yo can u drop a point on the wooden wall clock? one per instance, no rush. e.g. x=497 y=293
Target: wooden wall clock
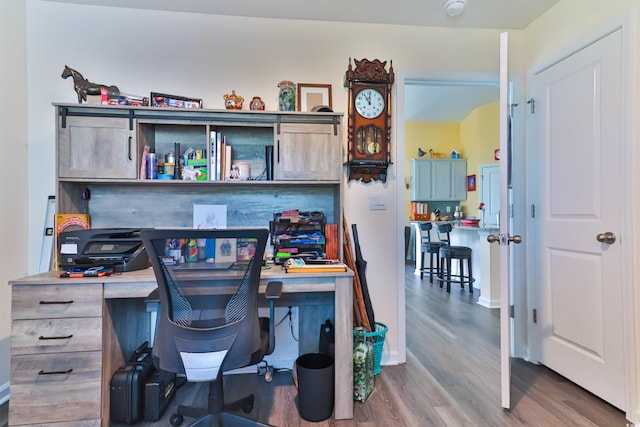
x=369 y=119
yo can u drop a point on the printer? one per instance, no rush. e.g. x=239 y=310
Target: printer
x=117 y=248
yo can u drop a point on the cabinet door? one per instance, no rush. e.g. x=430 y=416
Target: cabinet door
x=421 y=182
x=97 y=148
x=441 y=175
x=306 y=152
x=458 y=179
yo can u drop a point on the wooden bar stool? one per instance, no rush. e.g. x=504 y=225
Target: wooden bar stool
x=447 y=253
x=431 y=248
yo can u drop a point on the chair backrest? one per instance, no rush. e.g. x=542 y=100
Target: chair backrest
x=444 y=233
x=208 y=284
x=425 y=231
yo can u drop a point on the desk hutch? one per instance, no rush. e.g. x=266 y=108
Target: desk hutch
x=70 y=335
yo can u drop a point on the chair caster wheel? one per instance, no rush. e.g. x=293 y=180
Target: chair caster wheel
x=176 y=420
x=247 y=408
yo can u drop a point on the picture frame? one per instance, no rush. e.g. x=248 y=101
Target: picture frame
x=471 y=183
x=311 y=95
x=164 y=100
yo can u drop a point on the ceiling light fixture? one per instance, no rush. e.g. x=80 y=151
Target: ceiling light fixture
x=454 y=7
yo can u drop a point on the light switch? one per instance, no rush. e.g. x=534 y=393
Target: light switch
x=377 y=202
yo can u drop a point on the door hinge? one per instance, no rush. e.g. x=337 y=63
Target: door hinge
x=512 y=311
x=535 y=315
x=533 y=211
x=532 y=105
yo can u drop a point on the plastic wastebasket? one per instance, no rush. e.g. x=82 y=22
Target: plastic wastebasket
x=313 y=374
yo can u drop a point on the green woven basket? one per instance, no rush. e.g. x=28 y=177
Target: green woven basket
x=376 y=337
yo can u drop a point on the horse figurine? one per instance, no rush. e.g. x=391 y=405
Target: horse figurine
x=83 y=87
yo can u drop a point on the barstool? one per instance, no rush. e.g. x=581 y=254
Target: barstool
x=428 y=247
x=447 y=253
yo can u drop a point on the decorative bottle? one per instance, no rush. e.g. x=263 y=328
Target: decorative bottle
x=363 y=376
x=287 y=97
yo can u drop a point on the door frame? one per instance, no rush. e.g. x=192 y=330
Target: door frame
x=404 y=77
x=631 y=140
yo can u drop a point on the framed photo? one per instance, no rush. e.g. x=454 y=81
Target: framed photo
x=174 y=101
x=471 y=183
x=311 y=95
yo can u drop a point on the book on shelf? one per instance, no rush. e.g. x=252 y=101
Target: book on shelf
x=299 y=265
x=69 y=222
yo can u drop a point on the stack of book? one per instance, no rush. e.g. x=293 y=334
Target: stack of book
x=298 y=265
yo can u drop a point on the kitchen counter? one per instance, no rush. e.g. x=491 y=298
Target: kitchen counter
x=485 y=259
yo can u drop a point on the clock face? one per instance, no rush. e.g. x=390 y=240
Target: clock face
x=369 y=103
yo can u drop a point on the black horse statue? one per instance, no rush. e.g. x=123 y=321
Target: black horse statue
x=83 y=87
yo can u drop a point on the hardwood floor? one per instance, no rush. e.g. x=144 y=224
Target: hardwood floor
x=451 y=378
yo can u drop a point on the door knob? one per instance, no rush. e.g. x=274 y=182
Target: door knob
x=515 y=239
x=609 y=238
x=492 y=238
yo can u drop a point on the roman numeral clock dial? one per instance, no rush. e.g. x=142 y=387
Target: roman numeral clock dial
x=369 y=151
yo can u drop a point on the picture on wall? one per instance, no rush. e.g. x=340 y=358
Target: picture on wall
x=471 y=183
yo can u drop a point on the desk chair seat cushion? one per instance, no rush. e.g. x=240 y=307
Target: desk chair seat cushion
x=455 y=251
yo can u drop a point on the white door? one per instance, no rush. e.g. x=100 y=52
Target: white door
x=504 y=239
x=490 y=193
x=578 y=201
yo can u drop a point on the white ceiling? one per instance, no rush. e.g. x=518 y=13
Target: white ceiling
x=423 y=102
x=498 y=14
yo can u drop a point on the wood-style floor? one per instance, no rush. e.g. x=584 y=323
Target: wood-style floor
x=451 y=378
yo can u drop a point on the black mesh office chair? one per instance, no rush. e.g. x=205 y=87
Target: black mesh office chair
x=208 y=321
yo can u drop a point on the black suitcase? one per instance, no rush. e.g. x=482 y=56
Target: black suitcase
x=158 y=393
x=127 y=387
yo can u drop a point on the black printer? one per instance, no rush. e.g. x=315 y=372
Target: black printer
x=117 y=248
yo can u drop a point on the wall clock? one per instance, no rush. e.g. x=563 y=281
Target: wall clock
x=369 y=119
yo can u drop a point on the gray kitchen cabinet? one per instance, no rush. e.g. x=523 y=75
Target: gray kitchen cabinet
x=438 y=180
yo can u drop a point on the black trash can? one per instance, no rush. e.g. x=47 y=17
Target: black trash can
x=313 y=374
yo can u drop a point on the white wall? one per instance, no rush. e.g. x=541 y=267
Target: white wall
x=207 y=56
x=14 y=172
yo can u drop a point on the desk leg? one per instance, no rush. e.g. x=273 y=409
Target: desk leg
x=344 y=348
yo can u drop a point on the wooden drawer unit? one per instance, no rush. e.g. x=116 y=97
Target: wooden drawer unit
x=56 y=335
x=56 y=301
x=56 y=354
x=54 y=388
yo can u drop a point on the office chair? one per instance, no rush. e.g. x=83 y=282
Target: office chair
x=448 y=252
x=208 y=321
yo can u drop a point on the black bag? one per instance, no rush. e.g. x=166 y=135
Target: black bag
x=127 y=387
x=158 y=393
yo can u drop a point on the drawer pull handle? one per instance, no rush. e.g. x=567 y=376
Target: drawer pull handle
x=56 y=302
x=68 y=371
x=55 y=338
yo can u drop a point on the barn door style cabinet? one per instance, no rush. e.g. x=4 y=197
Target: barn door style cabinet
x=100 y=149
x=438 y=180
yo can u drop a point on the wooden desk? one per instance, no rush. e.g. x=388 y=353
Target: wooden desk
x=96 y=322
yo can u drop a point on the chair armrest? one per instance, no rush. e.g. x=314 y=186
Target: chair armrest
x=274 y=290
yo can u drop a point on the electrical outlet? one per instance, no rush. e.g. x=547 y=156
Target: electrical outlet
x=448 y=209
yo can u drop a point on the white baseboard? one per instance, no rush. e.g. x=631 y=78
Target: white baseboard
x=489 y=303
x=4 y=393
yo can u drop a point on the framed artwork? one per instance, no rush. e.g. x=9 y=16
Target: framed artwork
x=311 y=95
x=471 y=183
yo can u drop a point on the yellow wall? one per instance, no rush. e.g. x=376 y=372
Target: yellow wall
x=439 y=137
x=475 y=137
x=479 y=137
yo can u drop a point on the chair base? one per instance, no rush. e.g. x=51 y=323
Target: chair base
x=218 y=415
x=228 y=419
